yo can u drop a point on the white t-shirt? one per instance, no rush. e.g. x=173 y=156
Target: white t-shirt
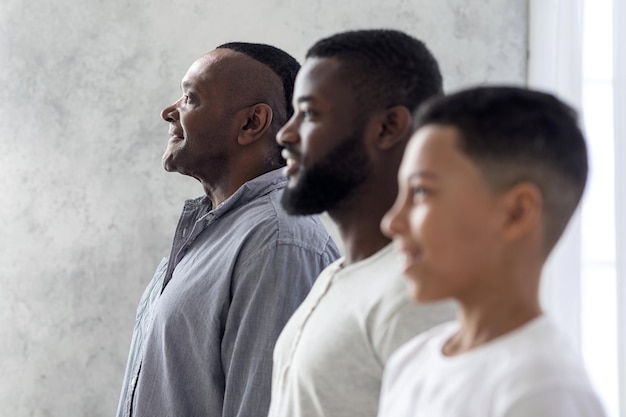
x=329 y=358
x=529 y=372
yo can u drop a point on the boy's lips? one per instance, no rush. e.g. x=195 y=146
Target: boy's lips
x=409 y=256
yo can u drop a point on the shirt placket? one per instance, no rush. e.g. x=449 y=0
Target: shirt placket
x=306 y=318
x=189 y=227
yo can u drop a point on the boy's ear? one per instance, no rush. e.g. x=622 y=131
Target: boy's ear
x=395 y=126
x=522 y=209
x=258 y=119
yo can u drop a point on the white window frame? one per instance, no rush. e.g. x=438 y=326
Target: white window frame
x=555 y=65
x=619 y=97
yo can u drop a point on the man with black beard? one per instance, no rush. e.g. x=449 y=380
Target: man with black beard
x=353 y=101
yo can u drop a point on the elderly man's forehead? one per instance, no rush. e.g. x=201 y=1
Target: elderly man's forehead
x=216 y=66
x=238 y=77
x=214 y=61
x=228 y=65
x=222 y=55
x=230 y=61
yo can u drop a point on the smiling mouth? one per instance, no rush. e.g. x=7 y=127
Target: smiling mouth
x=175 y=138
x=293 y=164
x=175 y=132
x=409 y=256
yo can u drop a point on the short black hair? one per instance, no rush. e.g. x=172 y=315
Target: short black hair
x=279 y=61
x=286 y=68
x=386 y=67
x=515 y=135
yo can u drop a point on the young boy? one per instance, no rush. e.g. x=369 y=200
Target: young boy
x=488 y=183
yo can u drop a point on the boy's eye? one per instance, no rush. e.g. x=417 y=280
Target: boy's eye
x=418 y=192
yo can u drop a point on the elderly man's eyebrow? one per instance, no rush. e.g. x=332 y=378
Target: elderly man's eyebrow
x=185 y=85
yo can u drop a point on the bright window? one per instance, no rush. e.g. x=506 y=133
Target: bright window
x=578 y=52
x=599 y=313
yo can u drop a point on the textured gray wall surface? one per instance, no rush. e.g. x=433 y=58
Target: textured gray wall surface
x=87 y=211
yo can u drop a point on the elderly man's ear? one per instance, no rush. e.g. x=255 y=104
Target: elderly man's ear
x=258 y=119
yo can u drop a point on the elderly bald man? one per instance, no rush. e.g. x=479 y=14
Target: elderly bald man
x=239 y=265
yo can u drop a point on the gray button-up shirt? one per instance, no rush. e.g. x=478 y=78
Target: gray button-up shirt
x=208 y=321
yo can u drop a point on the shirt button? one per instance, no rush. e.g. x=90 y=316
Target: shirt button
x=133 y=382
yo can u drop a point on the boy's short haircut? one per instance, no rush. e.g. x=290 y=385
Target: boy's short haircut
x=385 y=67
x=516 y=135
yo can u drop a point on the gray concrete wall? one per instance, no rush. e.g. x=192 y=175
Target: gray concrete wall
x=87 y=210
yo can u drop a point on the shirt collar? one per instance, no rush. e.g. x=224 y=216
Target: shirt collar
x=256 y=187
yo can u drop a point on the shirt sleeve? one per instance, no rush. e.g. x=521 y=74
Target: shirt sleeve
x=558 y=402
x=267 y=288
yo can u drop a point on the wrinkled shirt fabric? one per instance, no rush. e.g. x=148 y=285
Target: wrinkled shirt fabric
x=207 y=322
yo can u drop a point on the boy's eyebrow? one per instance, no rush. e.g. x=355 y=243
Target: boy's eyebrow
x=422 y=174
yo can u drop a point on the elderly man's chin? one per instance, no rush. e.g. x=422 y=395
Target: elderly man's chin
x=168 y=161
